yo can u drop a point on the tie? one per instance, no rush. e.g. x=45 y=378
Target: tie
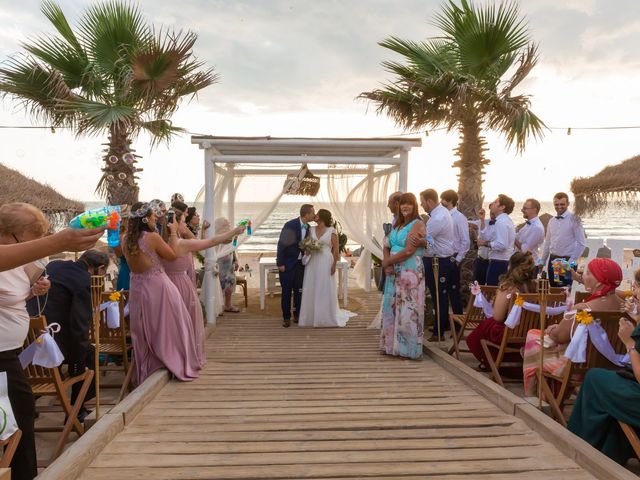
x=528 y=222
x=492 y=222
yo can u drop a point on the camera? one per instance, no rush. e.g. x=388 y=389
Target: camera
x=171 y=215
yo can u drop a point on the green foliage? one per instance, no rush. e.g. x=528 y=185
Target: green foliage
x=342 y=237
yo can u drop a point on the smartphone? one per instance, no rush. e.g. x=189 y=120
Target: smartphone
x=171 y=215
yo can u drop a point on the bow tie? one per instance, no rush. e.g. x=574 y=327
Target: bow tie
x=559 y=217
x=528 y=222
x=492 y=222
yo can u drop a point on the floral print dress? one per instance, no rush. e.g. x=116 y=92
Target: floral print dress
x=403 y=301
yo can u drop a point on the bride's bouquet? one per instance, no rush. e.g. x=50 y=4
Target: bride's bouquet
x=310 y=245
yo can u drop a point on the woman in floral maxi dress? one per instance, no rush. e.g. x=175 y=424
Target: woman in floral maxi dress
x=403 y=301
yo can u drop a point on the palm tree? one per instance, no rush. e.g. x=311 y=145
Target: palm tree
x=465 y=80
x=114 y=75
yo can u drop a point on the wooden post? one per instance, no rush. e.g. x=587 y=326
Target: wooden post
x=543 y=292
x=436 y=276
x=97 y=287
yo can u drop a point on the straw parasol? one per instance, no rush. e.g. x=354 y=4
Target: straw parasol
x=616 y=184
x=15 y=187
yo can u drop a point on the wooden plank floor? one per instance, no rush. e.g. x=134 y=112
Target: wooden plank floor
x=275 y=403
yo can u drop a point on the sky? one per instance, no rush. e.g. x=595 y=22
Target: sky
x=294 y=68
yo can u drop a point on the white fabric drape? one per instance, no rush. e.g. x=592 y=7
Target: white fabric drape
x=359 y=203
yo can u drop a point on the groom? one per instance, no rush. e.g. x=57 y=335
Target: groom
x=289 y=261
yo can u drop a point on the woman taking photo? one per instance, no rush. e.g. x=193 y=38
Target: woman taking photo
x=403 y=302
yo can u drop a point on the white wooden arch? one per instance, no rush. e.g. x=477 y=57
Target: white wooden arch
x=267 y=156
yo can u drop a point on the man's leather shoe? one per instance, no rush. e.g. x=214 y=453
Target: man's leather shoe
x=295 y=320
x=286 y=323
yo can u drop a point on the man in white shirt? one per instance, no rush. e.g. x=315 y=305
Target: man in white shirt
x=485 y=232
x=501 y=246
x=565 y=238
x=439 y=244
x=531 y=236
x=461 y=243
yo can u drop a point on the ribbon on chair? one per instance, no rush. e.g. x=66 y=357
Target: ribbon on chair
x=577 y=348
x=513 y=319
x=44 y=351
x=480 y=301
x=112 y=313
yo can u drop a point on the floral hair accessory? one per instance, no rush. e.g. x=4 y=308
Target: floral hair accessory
x=144 y=210
x=158 y=207
x=584 y=317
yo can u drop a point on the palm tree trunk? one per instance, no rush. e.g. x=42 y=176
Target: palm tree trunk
x=471 y=164
x=118 y=182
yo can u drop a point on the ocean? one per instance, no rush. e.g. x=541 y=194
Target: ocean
x=615 y=223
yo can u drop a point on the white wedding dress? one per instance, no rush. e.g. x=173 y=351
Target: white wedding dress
x=319 y=288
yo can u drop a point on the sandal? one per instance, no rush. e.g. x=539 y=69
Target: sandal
x=232 y=310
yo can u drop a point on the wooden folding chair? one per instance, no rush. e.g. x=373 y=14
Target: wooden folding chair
x=9 y=445
x=113 y=342
x=242 y=283
x=580 y=296
x=632 y=436
x=48 y=382
x=514 y=339
x=573 y=374
x=461 y=323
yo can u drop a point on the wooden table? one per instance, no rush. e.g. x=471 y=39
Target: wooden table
x=342 y=269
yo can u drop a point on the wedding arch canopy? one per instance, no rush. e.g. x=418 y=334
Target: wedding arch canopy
x=356 y=177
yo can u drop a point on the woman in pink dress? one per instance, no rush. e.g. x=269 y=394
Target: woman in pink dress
x=161 y=327
x=180 y=272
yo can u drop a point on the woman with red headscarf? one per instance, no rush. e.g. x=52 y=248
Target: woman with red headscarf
x=601 y=278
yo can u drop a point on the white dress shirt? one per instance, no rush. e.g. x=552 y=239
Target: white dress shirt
x=440 y=231
x=565 y=237
x=484 y=234
x=461 y=240
x=531 y=237
x=502 y=245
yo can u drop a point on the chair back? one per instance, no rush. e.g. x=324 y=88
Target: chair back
x=580 y=296
x=531 y=320
x=36 y=374
x=116 y=336
x=610 y=322
x=475 y=314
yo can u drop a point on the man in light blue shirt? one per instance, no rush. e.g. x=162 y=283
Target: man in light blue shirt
x=501 y=246
x=461 y=244
x=439 y=244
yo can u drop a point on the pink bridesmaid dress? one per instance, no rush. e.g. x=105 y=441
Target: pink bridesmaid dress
x=161 y=327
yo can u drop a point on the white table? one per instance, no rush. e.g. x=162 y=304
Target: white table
x=342 y=269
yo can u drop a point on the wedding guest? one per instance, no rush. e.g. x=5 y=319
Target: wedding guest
x=161 y=328
x=501 y=245
x=403 y=301
x=519 y=278
x=392 y=205
x=601 y=278
x=68 y=304
x=181 y=208
x=289 y=261
x=565 y=238
x=461 y=245
x=439 y=243
x=67 y=240
x=607 y=397
x=227 y=266
x=20 y=222
x=531 y=236
x=180 y=271
x=485 y=232
x=193 y=222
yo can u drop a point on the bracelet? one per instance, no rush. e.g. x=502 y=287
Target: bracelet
x=631 y=349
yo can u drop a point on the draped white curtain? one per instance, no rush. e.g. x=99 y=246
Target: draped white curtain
x=359 y=203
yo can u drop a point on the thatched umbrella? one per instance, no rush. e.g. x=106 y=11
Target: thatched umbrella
x=617 y=184
x=15 y=187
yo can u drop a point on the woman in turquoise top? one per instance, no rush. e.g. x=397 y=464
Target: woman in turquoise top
x=607 y=396
x=403 y=301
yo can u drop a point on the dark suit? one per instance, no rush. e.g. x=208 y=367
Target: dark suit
x=288 y=256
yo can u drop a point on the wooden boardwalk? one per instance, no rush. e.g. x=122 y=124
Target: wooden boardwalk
x=275 y=403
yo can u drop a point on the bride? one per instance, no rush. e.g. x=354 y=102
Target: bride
x=319 y=290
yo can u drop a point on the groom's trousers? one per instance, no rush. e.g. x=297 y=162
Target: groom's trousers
x=291 y=283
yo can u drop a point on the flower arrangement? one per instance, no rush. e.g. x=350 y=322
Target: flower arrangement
x=310 y=245
x=519 y=301
x=584 y=317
